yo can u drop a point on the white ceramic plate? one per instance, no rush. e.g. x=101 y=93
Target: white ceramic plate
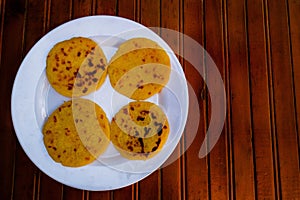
x=33 y=100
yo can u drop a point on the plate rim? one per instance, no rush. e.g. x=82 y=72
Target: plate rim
x=14 y=101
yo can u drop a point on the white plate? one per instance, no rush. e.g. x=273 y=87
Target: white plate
x=33 y=99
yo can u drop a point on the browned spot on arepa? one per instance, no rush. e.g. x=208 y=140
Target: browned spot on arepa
x=139 y=130
x=76 y=133
x=76 y=67
x=139 y=69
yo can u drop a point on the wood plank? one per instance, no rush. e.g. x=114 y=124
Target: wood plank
x=294 y=14
x=151 y=183
x=260 y=101
x=127 y=9
x=170 y=19
x=230 y=163
x=171 y=174
x=124 y=193
x=12 y=42
x=287 y=147
x=35 y=22
x=272 y=107
x=2 y=11
x=25 y=176
x=99 y=195
x=104 y=7
x=49 y=188
x=59 y=12
x=149 y=15
x=70 y=193
x=82 y=8
x=241 y=127
x=196 y=169
x=26 y=173
x=214 y=45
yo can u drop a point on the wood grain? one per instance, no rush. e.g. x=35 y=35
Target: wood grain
x=230 y=180
x=124 y=193
x=82 y=8
x=294 y=7
x=214 y=45
x=104 y=7
x=196 y=169
x=256 y=47
x=13 y=32
x=265 y=180
x=99 y=195
x=286 y=133
x=49 y=188
x=171 y=174
x=73 y=193
x=2 y=11
x=26 y=173
x=150 y=13
x=130 y=12
x=241 y=124
x=59 y=13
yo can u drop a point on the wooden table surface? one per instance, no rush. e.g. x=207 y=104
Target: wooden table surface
x=256 y=46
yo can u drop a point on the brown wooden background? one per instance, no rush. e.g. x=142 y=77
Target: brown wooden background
x=256 y=46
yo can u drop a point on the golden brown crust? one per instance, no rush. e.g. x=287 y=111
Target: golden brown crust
x=139 y=130
x=139 y=69
x=76 y=67
x=76 y=133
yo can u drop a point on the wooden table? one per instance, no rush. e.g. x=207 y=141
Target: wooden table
x=256 y=46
